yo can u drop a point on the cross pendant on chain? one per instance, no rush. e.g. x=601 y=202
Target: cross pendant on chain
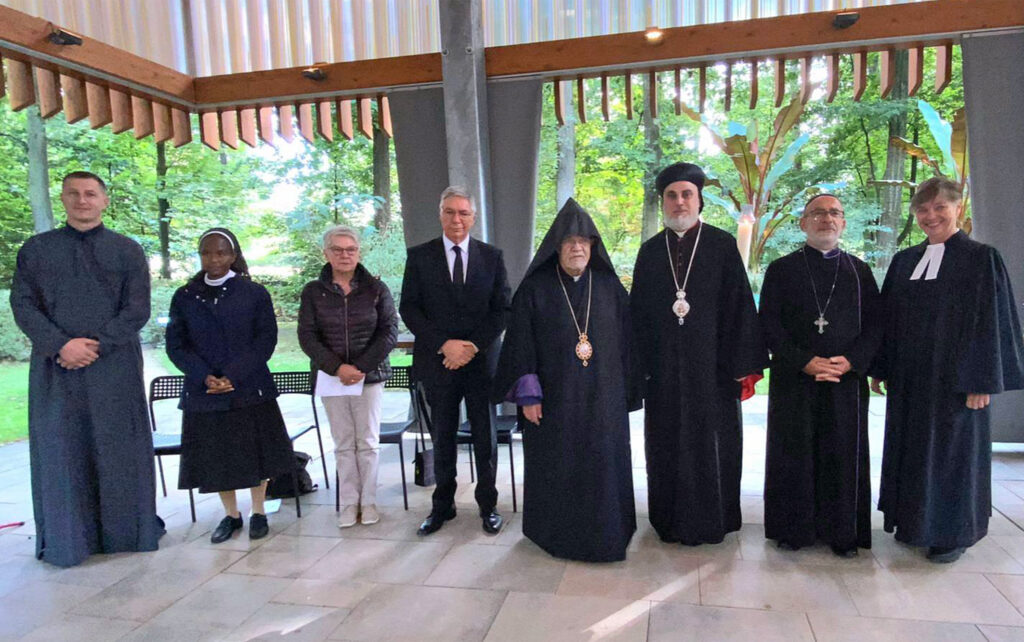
x=821 y=323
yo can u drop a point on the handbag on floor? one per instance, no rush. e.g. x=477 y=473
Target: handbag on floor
x=423 y=460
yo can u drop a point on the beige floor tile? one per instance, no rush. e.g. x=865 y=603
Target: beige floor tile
x=421 y=614
x=285 y=556
x=847 y=628
x=318 y=521
x=37 y=603
x=522 y=567
x=174 y=632
x=1002 y=633
x=104 y=570
x=688 y=623
x=645 y=575
x=224 y=602
x=752 y=509
x=289 y=622
x=336 y=594
x=755 y=547
x=778 y=587
x=378 y=561
x=81 y=627
x=939 y=594
x=1012 y=544
x=529 y=617
x=999 y=524
x=986 y=556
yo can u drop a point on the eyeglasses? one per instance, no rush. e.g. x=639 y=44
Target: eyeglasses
x=338 y=251
x=821 y=213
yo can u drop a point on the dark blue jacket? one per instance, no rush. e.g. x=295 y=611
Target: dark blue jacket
x=227 y=331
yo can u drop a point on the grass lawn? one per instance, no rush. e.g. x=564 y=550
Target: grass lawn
x=13 y=401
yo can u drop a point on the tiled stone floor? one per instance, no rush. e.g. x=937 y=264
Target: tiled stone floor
x=311 y=581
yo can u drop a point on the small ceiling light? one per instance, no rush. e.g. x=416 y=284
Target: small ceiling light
x=845 y=20
x=59 y=36
x=654 y=35
x=314 y=73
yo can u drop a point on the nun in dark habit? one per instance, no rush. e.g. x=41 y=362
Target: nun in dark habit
x=564 y=363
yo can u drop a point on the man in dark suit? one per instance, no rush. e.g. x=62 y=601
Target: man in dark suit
x=455 y=296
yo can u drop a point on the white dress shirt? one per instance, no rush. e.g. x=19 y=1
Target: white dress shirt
x=450 y=256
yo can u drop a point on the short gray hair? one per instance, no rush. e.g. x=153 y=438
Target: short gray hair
x=457 y=191
x=340 y=230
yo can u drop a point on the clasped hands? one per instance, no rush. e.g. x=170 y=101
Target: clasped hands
x=457 y=353
x=78 y=353
x=349 y=374
x=218 y=385
x=828 y=369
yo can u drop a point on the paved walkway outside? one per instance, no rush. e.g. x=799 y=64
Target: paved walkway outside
x=311 y=581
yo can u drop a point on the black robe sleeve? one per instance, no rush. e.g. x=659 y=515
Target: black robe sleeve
x=863 y=350
x=29 y=309
x=385 y=335
x=785 y=353
x=640 y=340
x=493 y=324
x=742 y=343
x=880 y=365
x=133 y=310
x=264 y=340
x=518 y=352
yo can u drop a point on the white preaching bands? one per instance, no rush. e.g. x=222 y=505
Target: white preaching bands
x=931 y=260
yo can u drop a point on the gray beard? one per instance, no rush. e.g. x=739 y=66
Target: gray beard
x=680 y=225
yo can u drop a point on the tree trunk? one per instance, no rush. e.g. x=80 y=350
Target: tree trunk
x=565 y=177
x=38 y=172
x=163 y=208
x=895 y=168
x=381 y=179
x=651 y=221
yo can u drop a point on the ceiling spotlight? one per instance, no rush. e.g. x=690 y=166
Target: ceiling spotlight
x=845 y=20
x=62 y=37
x=654 y=35
x=314 y=73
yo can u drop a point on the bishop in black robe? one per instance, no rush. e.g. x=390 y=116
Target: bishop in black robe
x=689 y=372
x=578 y=492
x=90 y=444
x=817 y=470
x=952 y=333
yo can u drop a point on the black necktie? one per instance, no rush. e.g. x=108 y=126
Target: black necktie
x=458 y=274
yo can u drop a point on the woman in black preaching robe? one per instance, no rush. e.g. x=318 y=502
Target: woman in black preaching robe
x=578 y=496
x=952 y=339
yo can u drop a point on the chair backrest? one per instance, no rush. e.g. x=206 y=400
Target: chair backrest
x=400 y=378
x=164 y=387
x=298 y=382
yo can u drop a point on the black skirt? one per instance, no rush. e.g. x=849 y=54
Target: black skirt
x=234 y=449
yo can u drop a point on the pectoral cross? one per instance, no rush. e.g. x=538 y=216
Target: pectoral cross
x=821 y=323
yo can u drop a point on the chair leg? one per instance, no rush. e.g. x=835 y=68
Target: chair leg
x=323 y=460
x=295 y=489
x=160 y=465
x=192 y=505
x=337 y=494
x=401 y=466
x=472 y=468
x=512 y=469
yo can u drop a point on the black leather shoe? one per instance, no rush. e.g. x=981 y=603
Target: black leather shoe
x=787 y=546
x=940 y=555
x=847 y=553
x=226 y=529
x=492 y=522
x=435 y=520
x=258 y=527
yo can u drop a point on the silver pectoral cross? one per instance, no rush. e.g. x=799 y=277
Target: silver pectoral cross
x=821 y=323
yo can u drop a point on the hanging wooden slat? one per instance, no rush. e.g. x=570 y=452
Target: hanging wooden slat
x=943 y=67
x=780 y=81
x=860 y=74
x=324 y=123
x=247 y=126
x=343 y=112
x=605 y=110
x=581 y=104
x=886 y=73
x=229 y=128
x=305 y=116
x=208 y=129
x=832 y=64
x=384 y=115
x=728 y=87
x=19 y=82
x=120 y=111
x=753 y=83
x=265 y=124
x=652 y=91
x=98 y=100
x=915 y=69
x=163 y=128
x=703 y=90
x=48 y=90
x=182 y=123
x=142 y=117
x=805 y=79
x=284 y=122
x=365 y=118
x=3 y=83
x=629 y=96
x=73 y=91
x=678 y=102
x=559 y=104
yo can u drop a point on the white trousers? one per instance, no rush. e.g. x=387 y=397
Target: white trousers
x=355 y=429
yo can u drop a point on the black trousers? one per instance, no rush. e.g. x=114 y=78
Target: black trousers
x=444 y=397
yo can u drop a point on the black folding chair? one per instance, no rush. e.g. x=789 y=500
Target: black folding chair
x=302 y=383
x=391 y=432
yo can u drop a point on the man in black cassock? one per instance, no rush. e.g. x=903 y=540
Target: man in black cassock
x=952 y=339
x=81 y=294
x=820 y=310
x=697 y=337
x=565 y=364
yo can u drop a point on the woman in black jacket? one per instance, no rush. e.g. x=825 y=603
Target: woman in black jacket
x=221 y=334
x=348 y=326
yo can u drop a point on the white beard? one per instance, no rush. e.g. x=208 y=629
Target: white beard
x=680 y=225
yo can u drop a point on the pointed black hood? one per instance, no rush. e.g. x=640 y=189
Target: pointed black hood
x=572 y=220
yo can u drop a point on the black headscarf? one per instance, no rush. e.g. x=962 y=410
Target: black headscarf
x=239 y=266
x=572 y=220
x=681 y=172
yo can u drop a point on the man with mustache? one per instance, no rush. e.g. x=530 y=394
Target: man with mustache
x=820 y=310
x=697 y=336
